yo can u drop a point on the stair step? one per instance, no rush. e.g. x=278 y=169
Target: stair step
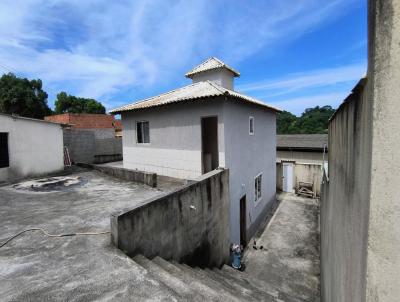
x=216 y=286
x=168 y=279
x=207 y=292
x=252 y=293
x=248 y=280
x=148 y=285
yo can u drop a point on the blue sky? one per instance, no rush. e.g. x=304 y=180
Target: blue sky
x=293 y=54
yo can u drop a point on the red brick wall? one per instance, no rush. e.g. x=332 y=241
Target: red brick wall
x=87 y=121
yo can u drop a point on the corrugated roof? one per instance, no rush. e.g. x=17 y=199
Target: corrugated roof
x=194 y=92
x=301 y=141
x=209 y=64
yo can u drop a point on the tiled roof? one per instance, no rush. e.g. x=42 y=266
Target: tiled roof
x=194 y=92
x=301 y=141
x=209 y=64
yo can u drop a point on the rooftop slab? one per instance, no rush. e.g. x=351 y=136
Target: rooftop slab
x=34 y=267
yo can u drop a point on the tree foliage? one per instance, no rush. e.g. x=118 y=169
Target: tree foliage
x=72 y=104
x=312 y=120
x=23 y=97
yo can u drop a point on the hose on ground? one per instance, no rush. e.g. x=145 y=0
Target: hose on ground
x=51 y=235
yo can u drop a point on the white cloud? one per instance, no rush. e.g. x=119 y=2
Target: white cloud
x=98 y=47
x=309 y=79
x=299 y=104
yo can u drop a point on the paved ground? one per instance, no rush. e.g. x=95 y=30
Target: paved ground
x=38 y=268
x=290 y=257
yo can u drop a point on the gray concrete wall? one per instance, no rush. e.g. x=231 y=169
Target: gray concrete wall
x=190 y=224
x=93 y=145
x=35 y=147
x=345 y=202
x=246 y=157
x=360 y=213
x=146 y=178
x=383 y=257
x=175 y=138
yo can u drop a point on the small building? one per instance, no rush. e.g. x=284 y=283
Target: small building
x=192 y=130
x=299 y=159
x=29 y=147
x=91 y=138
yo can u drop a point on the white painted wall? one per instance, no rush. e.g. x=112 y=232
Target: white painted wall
x=246 y=157
x=221 y=77
x=175 y=149
x=301 y=157
x=175 y=138
x=35 y=147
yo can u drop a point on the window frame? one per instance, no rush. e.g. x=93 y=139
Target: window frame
x=251 y=123
x=258 y=191
x=142 y=132
x=7 y=160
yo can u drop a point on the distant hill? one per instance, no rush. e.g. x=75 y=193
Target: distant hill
x=312 y=121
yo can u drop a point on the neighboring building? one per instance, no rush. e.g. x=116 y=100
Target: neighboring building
x=88 y=121
x=91 y=138
x=29 y=147
x=360 y=204
x=192 y=130
x=299 y=158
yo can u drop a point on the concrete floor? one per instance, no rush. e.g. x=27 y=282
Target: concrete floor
x=34 y=267
x=289 y=259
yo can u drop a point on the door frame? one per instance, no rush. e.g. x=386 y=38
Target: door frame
x=201 y=139
x=243 y=220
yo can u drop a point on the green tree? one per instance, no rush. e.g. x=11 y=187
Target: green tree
x=23 y=97
x=315 y=120
x=312 y=121
x=286 y=123
x=72 y=104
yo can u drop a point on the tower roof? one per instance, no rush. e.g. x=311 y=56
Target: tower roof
x=211 y=64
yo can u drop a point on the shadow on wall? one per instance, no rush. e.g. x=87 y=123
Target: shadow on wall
x=189 y=225
x=93 y=145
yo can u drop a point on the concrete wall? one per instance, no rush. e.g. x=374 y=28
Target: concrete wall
x=175 y=139
x=311 y=173
x=93 y=145
x=35 y=147
x=360 y=213
x=301 y=156
x=221 y=77
x=146 y=178
x=246 y=157
x=188 y=225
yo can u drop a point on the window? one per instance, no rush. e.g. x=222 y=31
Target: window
x=251 y=125
x=4 y=161
x=142 y=132
x=257 y=188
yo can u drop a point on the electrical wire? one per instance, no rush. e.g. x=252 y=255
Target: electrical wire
x=52 y=235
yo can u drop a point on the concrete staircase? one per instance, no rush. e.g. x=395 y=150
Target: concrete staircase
x=180 y=282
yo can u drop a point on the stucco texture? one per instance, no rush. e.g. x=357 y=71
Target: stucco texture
x=35 y=147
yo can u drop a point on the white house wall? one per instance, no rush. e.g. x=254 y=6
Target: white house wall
x=35 y=147
x=301 y=156
x=175 y=138
x=246 y=157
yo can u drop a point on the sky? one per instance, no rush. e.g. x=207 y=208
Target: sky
x=293 y=54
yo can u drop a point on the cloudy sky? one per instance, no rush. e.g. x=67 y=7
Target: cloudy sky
x=294 y=54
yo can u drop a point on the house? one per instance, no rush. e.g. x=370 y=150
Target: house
x=29 y=147
x=192 y=130
x=91 y=138
x=299 y=159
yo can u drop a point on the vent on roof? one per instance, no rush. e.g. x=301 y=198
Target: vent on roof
x=214 y=70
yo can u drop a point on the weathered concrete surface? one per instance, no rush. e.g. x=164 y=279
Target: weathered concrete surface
x=289 y=260
x=146 y=178
x=81 y=268
x=188 y=225
x=360 y=213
